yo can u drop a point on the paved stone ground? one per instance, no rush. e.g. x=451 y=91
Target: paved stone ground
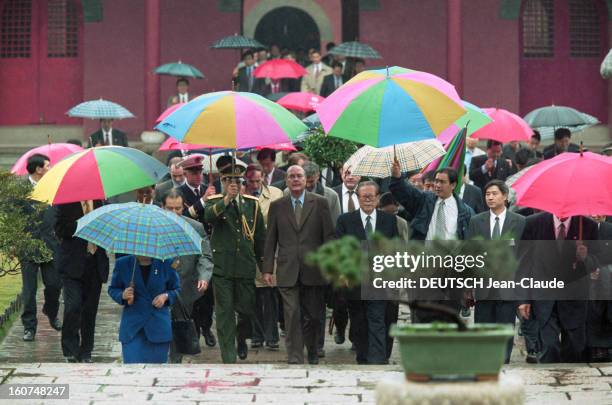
x=262 y=378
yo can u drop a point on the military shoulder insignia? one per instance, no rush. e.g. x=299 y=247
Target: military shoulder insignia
x=251 y=197
x=175 y=264
x=215 y=196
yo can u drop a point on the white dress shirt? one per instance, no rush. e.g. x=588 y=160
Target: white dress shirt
x=345 y=199
x=269 y=177
x=502 y=218
x=364 y=219
x=107 y=137
x=450 y=214
x=558 y=222
x=183 y=98
x=32 y=180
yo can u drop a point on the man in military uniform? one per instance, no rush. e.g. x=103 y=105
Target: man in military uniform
x=237 y=241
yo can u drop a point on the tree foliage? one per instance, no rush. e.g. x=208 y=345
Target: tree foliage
x=328 y=150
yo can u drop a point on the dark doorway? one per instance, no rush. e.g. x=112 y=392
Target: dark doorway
x=288 y=27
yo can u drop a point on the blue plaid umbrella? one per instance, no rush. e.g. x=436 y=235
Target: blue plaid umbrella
x=99 y=109
x=355 y=49
x=179 y=69
x=139 y=229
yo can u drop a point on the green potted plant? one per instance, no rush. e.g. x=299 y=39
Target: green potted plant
x=450 y=350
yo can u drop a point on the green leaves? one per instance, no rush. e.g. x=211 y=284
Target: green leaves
x=327 y=150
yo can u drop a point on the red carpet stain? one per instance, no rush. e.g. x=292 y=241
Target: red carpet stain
x=203 y=386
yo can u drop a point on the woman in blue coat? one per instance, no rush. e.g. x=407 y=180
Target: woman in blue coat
x=145 y=331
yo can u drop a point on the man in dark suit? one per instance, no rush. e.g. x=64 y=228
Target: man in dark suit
x=438 y=215
x=472 y=196
x=177 y=179
x=599 y=321
x=246 y=78
x=333 y=81
x=107 y=135
x=562 y=144
x=551 y=248
x=368 y=318
x=495 y=224
x=83 y=267
x=37 y=167
x=271 y=174
x=491 y=166
x=297 y=224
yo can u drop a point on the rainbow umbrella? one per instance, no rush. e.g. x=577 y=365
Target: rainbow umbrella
x=454 y=157
x=390 y=106
x=229 y=119
x=54 y=151
x=97 y=174
x=474 y=119
x=168 y=111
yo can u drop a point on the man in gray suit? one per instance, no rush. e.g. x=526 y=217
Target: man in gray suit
x=195 y=271
x=492 y=306
x=298 y=224
x=177 y=179
x=313 y=185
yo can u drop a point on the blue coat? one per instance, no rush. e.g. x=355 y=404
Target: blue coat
x=142 y=314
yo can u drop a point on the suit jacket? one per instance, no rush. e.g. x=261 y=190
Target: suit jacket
x=501 y=171
x=277 y=175
x=550 y=151
x=160 y=191
x=512 y=229
x=191 y=200
x=329 y=85
x=403 y=229
x=294 y=241
x=73 y=251
x=421 y=204
x=119 y=138
x=541 y=259
x=332 y=200
x=338 y=190
x=257 y=85
x=472 y=196
x=142 y=314
x=605 y=243
x=312 y=83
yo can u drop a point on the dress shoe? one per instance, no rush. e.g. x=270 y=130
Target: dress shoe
x=320 y=353
x=71 y=359
x=209 y=338
x=532 y=358
x=86 y=360
x=55 y=324
x=28 y=336
x=256 y=345
x=272 y=345
x=313 y=358
x=242 y=349
x=339 y=337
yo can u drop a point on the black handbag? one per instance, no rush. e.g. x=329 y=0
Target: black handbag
x=184 y=331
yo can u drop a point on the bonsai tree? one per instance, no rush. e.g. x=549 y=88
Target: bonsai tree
x=19 y=217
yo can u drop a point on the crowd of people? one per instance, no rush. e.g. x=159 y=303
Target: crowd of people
x=258 y=221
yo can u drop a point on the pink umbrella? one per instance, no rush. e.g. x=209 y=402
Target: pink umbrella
x=55 y=152
x=506 y=127
x=568 y=184
x=301 y=101
x=287 y=146
x=169 y=111
x=173 y=144
x=280 y=69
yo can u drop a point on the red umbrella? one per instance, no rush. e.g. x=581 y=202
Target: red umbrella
x=568 y=184
x=54 y=151
x=287 y=146
x=168 y=111
x=280 y=69
x=301 y=101
x=506 y=127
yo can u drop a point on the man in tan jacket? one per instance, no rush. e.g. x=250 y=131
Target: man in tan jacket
x=265 y=325
x=312 y=82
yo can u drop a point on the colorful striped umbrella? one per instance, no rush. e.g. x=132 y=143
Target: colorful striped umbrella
x=168 y=111
x=97 y=174
x=389 y=106
x=179 y=69
x=474 y=120
x=99 y=109
x=229 y=119
x=506 y=127
x=139 y=229
x=54 y=151
x=454 y=157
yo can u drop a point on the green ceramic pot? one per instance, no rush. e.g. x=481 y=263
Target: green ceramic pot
x=440 y=351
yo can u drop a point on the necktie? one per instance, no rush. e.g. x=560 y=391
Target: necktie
x=337 y=82
x=197 y=191
x=368 y=228
x=250 y=74
x=298 y=211
x=440 y=230
x=561 y=236
x=107 y=140
x=316 y=70
x=496 y=230
x=351 y=203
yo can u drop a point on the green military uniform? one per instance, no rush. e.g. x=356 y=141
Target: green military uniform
x=237 y=242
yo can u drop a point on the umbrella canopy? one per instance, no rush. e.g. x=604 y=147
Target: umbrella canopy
x=139 y=229
x=229 y=119
x=168 y=111
x=173 y=144
x=377 y=162
x=473 y=120
x=312 y=121
x=236 y=42
x=179 y=69
x=54 y=151
x=568 y=184
x=511 y=180
x=280 y=69
x=606 y=66
x=97 y=174
x=287 y=146
x=100 y=109
x=301 y=101
x=355 y=50
x=388 y=106
x=506 y=127
x=557 y=116
x=454 y=157
x=276 y=96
